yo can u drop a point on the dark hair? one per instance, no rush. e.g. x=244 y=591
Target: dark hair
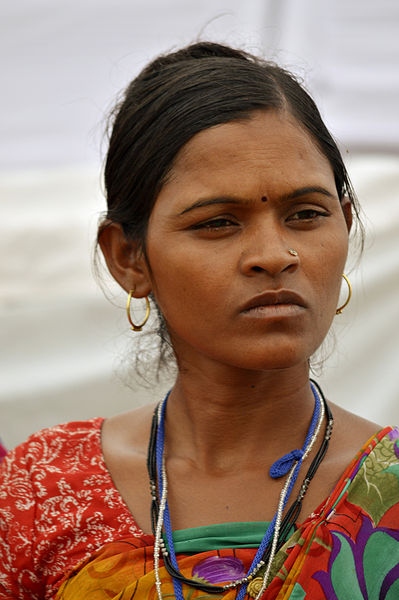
x=178 y=95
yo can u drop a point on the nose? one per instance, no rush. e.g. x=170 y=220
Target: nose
x=268 y=250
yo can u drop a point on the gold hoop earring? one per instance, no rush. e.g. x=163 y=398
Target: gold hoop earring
x=147 y=313
x=341 y=308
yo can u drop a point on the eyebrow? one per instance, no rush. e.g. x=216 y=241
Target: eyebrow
x=210 y=201
x=305 y=191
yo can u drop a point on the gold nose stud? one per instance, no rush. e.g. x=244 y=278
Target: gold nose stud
x=292 y=252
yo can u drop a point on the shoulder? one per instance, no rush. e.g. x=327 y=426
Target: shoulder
x=58 y=503
x=381 y=453
x=350 y=433
x=59 y=449
x=62 y=435
x=372 y=479
x=35 y=470
x=129 y=430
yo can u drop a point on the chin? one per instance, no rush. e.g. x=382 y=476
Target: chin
x=283 y=352
x=277 y=359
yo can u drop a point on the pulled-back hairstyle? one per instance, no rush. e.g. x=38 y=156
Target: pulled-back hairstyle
x=182 y=93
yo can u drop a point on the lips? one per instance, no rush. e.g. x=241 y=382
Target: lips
x=273 y=298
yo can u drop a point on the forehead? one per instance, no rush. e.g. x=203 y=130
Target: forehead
x=268 y=149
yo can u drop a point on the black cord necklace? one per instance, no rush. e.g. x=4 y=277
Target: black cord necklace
x=289 y=520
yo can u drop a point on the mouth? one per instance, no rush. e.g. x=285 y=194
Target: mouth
x=278 y=300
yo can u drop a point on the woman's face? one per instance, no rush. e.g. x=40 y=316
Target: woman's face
x=239 y=197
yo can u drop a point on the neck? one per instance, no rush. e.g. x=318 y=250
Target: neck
x=225 y=421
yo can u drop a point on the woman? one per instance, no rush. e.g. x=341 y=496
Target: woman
x=229 y=205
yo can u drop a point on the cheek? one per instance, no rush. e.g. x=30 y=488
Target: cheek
x=333 y=253
x=185 y=284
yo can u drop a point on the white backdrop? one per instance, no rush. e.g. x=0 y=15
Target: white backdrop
x=61 y=341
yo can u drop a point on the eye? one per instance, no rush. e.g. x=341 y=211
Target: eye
x=215 y=224
x=308 y=215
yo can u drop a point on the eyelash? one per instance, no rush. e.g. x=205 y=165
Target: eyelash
x=314 y=211
x=221 y=223
x=214 y=224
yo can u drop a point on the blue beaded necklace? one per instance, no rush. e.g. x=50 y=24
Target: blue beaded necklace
x=288 y=464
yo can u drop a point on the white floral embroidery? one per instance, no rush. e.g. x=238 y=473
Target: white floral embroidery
x=58 y=504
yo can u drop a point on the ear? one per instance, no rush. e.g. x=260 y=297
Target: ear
x=125 y=260
x=346 y=206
